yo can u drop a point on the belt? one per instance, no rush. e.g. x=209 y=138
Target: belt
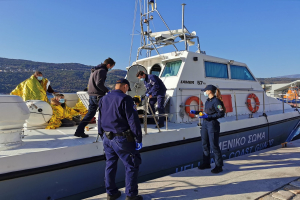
x=115 y=134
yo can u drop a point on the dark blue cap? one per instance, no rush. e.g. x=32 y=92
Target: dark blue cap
x=123 y=80
x=210 y=87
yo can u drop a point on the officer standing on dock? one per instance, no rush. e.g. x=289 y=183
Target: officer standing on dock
x=120 y=130
x=214 y=109
x=156 y=91
x=96 y=90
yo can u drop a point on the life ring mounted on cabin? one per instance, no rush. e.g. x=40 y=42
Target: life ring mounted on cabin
x=188 y=103
x=249 y=105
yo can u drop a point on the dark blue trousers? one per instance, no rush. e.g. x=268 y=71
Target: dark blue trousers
x=160 y=107
x=93 y=106
x=210 y=140
x=117 y=148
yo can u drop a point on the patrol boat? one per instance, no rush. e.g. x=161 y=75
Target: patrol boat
x=53 y=164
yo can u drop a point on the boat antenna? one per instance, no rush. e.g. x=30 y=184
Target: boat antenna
x=183 y=26
x=133 y=27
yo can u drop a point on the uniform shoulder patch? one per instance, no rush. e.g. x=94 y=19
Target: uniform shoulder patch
x=220 y=107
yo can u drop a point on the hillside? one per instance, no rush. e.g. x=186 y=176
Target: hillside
x=64 y=77
x=71 y=77
x=297 y=76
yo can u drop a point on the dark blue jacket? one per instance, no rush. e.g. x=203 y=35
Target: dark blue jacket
x=97 y=79
x=214 y=108
x=116 y=114
x=154 y=85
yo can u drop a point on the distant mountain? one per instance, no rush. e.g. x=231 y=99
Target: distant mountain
x=290 y=76
x=64 y=77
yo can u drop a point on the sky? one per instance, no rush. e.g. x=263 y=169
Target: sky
x=264 y=34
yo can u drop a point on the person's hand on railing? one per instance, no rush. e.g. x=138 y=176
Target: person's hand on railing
x=139 y=146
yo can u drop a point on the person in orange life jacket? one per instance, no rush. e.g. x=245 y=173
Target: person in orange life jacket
x=96 y=91
x=214 y=109
x=156 y=91
x=120 y=130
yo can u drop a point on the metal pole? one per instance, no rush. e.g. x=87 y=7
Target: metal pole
x=166 y=122
x=198 y=44
x=183 y=26
x=145 y=116
x=148 y=52
x=264 y=101
x=200 y=107
x=97 y=138
x=235 y=107
x=282 y=104
x=153 y=115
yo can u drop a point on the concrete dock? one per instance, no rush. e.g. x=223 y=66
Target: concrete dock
x=257 y=175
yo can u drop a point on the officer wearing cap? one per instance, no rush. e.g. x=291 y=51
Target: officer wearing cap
x=156 y=91
x=214 y=109
x=120 y=130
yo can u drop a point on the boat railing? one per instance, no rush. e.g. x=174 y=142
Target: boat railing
x=235 y=103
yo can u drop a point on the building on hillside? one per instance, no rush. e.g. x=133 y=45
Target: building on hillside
x=278 y=90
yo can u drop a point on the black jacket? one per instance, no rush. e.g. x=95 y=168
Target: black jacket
x=96 y=82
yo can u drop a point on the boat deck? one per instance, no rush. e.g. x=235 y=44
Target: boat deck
x=43 y=139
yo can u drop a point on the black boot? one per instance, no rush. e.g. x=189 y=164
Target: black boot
x=83 y=135
x=113 y=197
x=217 y=170
x=137 y=197
x=204 y=166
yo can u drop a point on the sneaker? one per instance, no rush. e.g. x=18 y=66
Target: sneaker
x=217 y=170
x=113 y=197
x=83 y=135
x=137 y=197
x=204 y=167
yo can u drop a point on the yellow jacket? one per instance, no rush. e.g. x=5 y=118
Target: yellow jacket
x=60 y=113
x=32 y=89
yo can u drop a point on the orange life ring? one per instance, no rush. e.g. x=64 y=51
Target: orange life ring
x=249 y=105
x=188 y=103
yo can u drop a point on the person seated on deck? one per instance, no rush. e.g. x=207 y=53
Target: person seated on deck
x=137 y=101
x=63 y=116
x=34 y=88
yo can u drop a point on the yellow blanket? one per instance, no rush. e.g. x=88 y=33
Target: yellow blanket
x=79 y=107
x=60 y=113
x=32 y=89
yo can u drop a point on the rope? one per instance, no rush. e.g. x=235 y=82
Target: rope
x=134 y=19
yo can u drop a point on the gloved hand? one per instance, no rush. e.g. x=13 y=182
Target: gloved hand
x=195 y=112
x=147 y=95
x=139 y=146
x=204 y=116
x=108 y=92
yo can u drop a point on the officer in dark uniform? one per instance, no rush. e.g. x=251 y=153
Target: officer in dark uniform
x=214 y=109
x=156 y=91
x=120 y=130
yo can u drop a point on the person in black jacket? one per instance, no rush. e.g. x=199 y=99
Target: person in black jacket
x=96 y=90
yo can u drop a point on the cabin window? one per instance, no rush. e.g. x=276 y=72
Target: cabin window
x=216 y=70
x=155 y=69
x=241 y=73
x=171 y=68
